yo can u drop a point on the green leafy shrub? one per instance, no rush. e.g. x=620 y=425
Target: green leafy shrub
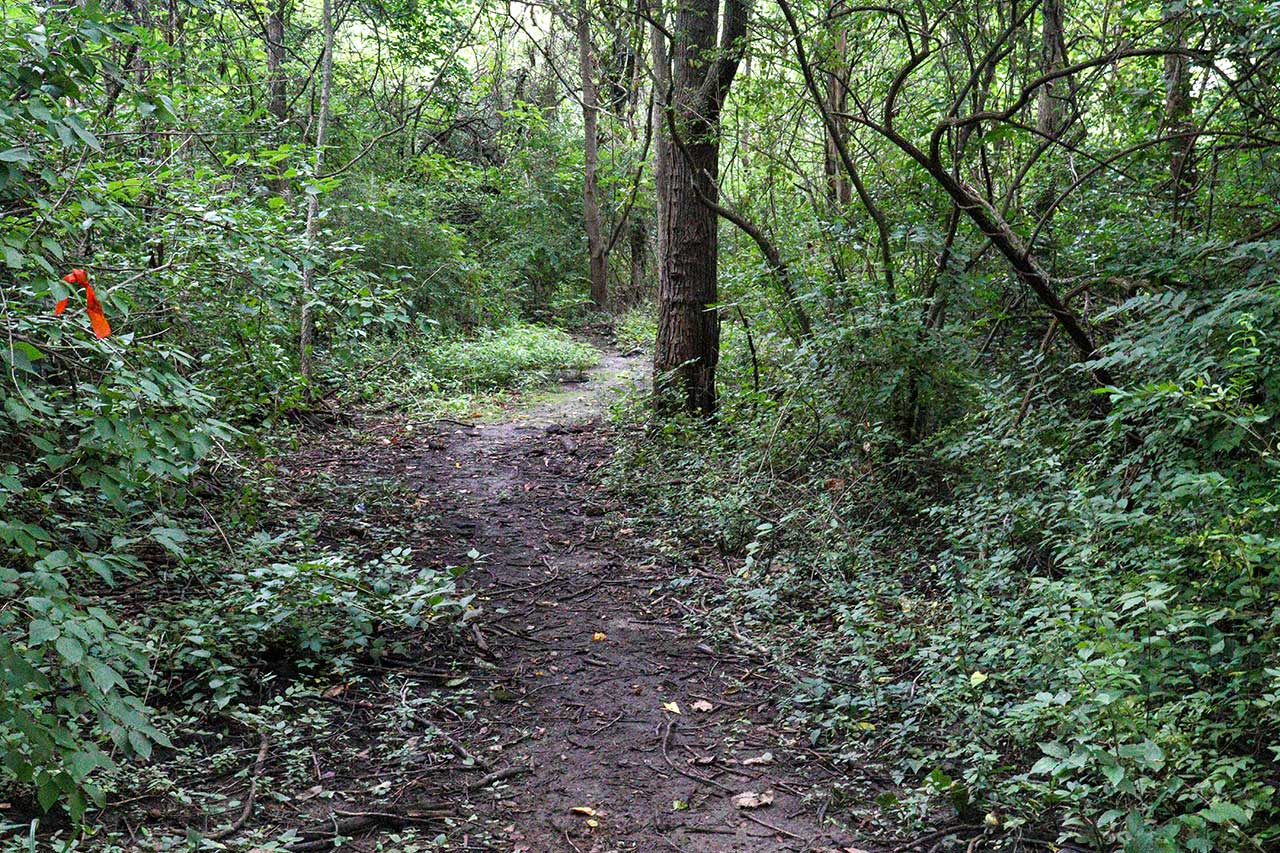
x=636 y=328
x=508 y=357
x=1062 y=625
x=456 y=375
x=325 y=612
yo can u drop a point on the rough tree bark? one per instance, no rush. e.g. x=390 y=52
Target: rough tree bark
x=1053 y=96
x=277 y=102
x=1177 y=107
x=838 y=188
x=702 y=70
x=592 y=220
x=307 y=323
x=657 y=122
x=638 y=243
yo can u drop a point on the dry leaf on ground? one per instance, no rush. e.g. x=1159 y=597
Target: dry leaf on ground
x=753 y=799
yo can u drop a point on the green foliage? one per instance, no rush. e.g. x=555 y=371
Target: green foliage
x=507 y=357
x=469 y=375
x=1085 y=613
x=636 y=328
x=137 y=148
x=324 y=612
x=1038 y=606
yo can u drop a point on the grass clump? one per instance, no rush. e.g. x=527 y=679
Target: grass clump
x=511 y=357
x=477 y=376
x=637 y=328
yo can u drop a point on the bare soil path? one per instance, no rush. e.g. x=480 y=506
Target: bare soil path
x=635 y=735
x=598 y=722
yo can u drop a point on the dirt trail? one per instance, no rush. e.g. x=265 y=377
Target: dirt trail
x=589 y=649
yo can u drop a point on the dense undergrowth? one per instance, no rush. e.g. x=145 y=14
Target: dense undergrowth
x=147 y=637
x=475 y=375
x=167 y=591
x=1057 y=625
x=1012 y=598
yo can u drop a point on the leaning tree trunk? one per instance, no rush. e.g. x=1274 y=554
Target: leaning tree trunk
x=307 y=323
x=688 y=345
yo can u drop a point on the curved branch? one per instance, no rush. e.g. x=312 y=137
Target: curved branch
x=882 y=224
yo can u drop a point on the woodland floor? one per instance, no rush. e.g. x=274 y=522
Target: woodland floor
x=554 y=707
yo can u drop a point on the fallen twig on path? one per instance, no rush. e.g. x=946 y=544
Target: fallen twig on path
x=322 y=838
x=249 y=799
x=934 y=836
x=666 y=737
x=788 y=833
x=457 y=746
x=499 y=775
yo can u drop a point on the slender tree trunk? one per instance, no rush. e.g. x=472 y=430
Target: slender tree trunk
x=276 y=96
x=688 y=345
x=638 y=241
x=842 y=148
x=1177 y=108
x=837 y=105
x=592 y=219
x=313 y=200
x=658 y=127
x=277 y=102
x=1051 y=98
x=745 y=136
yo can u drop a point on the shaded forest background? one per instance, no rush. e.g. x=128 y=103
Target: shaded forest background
x=964 y=323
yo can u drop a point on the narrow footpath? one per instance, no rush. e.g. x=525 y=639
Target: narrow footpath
x=597 y=722
x=629 y=733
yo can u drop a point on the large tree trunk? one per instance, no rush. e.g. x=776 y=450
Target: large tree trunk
x=688 y=345
x=592 y=221
x=307 y=323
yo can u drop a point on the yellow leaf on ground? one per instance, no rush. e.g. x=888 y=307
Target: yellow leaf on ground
x=671 y=706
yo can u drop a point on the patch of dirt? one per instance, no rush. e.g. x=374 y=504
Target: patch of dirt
x=588 y=717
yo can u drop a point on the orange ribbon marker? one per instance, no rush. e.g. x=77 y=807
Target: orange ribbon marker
x=98 y=320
